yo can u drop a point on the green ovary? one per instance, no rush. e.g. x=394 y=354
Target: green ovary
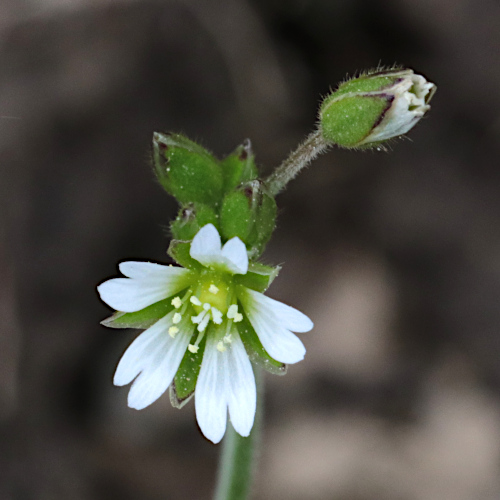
x=216 y=289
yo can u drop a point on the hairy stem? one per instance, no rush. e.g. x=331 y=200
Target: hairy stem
x=237 y=462
x=312 y=147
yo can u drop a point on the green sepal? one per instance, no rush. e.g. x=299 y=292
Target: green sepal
x=349 y=120
x=190 y=219
x=186 y=170
x=366 y=83
x=185 y=379
x=236 y=216
x=255 y=349
x=179 y=251
x=239 y=167
x=141 y=319
x=259 y=276
x=265 y=222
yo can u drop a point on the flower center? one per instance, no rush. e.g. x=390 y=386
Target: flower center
x=212 y=298
x=215 y=291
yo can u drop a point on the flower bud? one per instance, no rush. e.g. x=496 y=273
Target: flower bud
x=190 y=219
x=372 y=108
x=239 y=166
x=186 y=170
x=249 y=213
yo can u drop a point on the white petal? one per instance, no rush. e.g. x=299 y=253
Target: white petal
x=241 y=391
x=206 y=249
x=210 y=402
x=158 y=356
x=235 y=255
x=148 y=283
x=288 y=317
x=206 y=245
x=271 y=320
x=281 y=344
x=140 y=352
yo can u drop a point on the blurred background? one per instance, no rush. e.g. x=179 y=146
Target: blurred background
x=395 y=256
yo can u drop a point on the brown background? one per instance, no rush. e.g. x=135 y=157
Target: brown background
x=396 y=257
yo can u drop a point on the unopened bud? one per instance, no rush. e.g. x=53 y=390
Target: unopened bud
x=186 y=170
x=239 y=166
x=190 y=219
x=375 y=107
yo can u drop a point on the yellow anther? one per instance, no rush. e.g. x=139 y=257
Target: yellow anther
x=193 y=348
x=177 y=318
x=238 y=317
x=232 y=311
x=176 y=302
x=213 y=289
x=216 y=316
x=220 y=346
x=172 y=331
x=195 y=301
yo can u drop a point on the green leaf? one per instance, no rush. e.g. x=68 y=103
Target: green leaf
x=255 y=349
x=259 y=277
x=185 y=379
x=141 y=319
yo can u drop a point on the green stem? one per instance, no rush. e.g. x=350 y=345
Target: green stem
x=237 y=462
x=312 y=147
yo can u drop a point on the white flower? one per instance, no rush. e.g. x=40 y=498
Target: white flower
x=205 y=312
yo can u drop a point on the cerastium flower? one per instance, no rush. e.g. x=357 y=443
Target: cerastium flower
x=206 y=319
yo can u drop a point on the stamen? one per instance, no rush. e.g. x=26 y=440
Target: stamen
x=199 y=318
x=172 y=331
x=220 y=346
x=177 y=318
x=227 y=339
x=204 y=322
x=238 y=317
x=206 y=306
x=193 y=348
x=195 y=301
x=176 y=302
x=216 y=316
x=213 y=289
x=232 y=311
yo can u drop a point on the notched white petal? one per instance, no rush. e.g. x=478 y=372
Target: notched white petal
x=209 y=399
x=235 y=255
x=272 y=321
x=206 y=249
x=148 y=283
x=289 y=317
x=155 y=356
x=205 y=245
x=241 y=392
